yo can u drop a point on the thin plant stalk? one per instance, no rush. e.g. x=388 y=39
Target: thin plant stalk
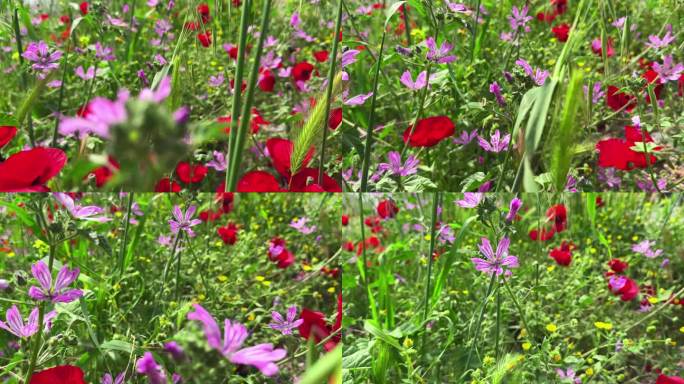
x=61 y=91
x=428 y=67
x=24 y=81
x=371 y=120
x=328 y=100
x=364 y=272
x=407 y=26
x=472 y=43
x=479 y=320
x=498 y=322
x=39 y=335
x=433 y=223
x=237 y=85
x=122 y=251
x=238 y=146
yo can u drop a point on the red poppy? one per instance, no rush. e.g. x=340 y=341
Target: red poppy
x=662 y=379
x=61 y=374
x=280 y=151
x=284 y=257
x=190 y=26
x=321 y=56
x=228 y=233
x=563 y=254
x=204 y=38
x=559 y=216
x=258 y=181
x=84 y=8
x=209 y=215
x=547 y=17
x=224 y=198
x=629 y=291
x=306 y=181
x=266 y=81
x=387 y=209
x=203 y=10
x=681 y=85
x=345 y=220
x=315 y=326
x=617 y=100
x=28 y=171
x=348 y=246
x=189 y=173
x=335 y=118
x=542 y=234
x=302 y=71
x=166 y=185
x=104 y=173
x=429 y=131
x=561 y=31
x=618 y=153
x=617 y=265
x=7 y=133
x=651 y=77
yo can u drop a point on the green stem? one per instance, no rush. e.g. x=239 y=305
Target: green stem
x=371 y=120
x=36 y=344
x=435 y=205
x=364 y=272
x=61 y=92
x=407 y=25
x=237 y=85
x=328 y=100
x=498 y=322
x=428 y=67
x=519 y=308
x=24 y=81
x=122 y=251
x=472 y=43
x=479 y=320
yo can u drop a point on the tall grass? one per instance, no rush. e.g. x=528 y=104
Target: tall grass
x=563 y=147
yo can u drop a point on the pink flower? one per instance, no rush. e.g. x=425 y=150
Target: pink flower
x=59 y=292
x=15 y=323
x=496 y=144
x=79 y=212
x=184 y=222
x=495 y=262
x=286 y=325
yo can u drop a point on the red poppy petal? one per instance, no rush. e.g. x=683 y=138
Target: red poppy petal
x=7 y=133
x=62 y=374
x=429 y=131
x=258 y=181
x=28 y=171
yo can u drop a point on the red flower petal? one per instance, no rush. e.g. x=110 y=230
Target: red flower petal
x=617 y=100
x=662 y=379
x=387 y=209
x=7 y=133
x=306 y=181
x=166 y=185
x=561 y=31
x=429 y=131
x=258 y=181
x=189 y=173
x=28 y=171
x=321 y=56
x=335 y=118
x=62 y=374
x=280 y=151
x=302 y=71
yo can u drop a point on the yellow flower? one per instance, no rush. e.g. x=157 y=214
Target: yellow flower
x=551 y=327
x=681 y=329
x=251 y=316
x=488 y=360
x=653 y=300
x=589 y=372
x=222 y=278
x=526 y=346
x=306 y=267
x=331 y=290
x=259 y=278
x=602 y=325
x=408 y=343
x=266 y=283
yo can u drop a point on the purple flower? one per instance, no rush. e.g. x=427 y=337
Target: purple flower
x=174 y=350
x=446 y=235
x=495 y=262
x=216 y=81
x=300 y=225
x=609 y=177
x=59 y=292
x=219 y=162
x=537 y=75
x=147 y=366
x=260 y=356
x=40 y=55
x=655 y=42
x=349 y=57
x=519 y=19
x=421 y=80
x=470 y=200
x=596 y=92
x=496 y=144
x=569 y=375
x=619 y=23
x=571 y=184
x=85 y=75
x=286 y=325
x=458 y=7
x=164 y=240
x=107 y=378
x=644 y=248
x=441 y=55
x=396 y=167
x=466 y=137
x=496 y=90
x=358 y=99
x=616 y=283
x=4 y=285
x=184 y=222
x=104 y=53
x=79 y=212
x=513 y=209
x=102 y=114
x=15 y=322
x=667 y=71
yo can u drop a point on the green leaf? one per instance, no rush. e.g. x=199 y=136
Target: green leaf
x=392 y=10
x=373 y=328
x=118 y=346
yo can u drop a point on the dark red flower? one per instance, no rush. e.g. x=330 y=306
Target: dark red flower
x=617 y=100
x=306 y=180
x=189 y=173
x=61 y=374
x=321 y=56
x=84 y=8
x=258 y=181
x=104 y=173
x=662 y=379
x=547 y=17
x=617 y=153
x=387 y=209
x=561 y=6
x=617 y=265
x=429 y=131
x=681 y=85
x=542 y=234
x=266 y=81
x=280 y=151
x=228 y=233
x=651 y=77
x=348 y=246
x=558 y=215
x=315 y=326
x=204 y=38
x=335 y=118
x=597 y=47
x=345 y=220
x=28 y=171
x=563 y=254
x=629 y=291
x=7 y=133
x=166 y=185
x=302 y=71
x=203 y=10
x=209 y=215
x=561 y=31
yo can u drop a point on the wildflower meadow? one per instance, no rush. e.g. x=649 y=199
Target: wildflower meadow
x=102 y=288
x=492 y=288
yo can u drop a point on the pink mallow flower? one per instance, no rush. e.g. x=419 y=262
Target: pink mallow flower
x=495 y=262
x=59 y=292
x=261 y=356
x=15 y=322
